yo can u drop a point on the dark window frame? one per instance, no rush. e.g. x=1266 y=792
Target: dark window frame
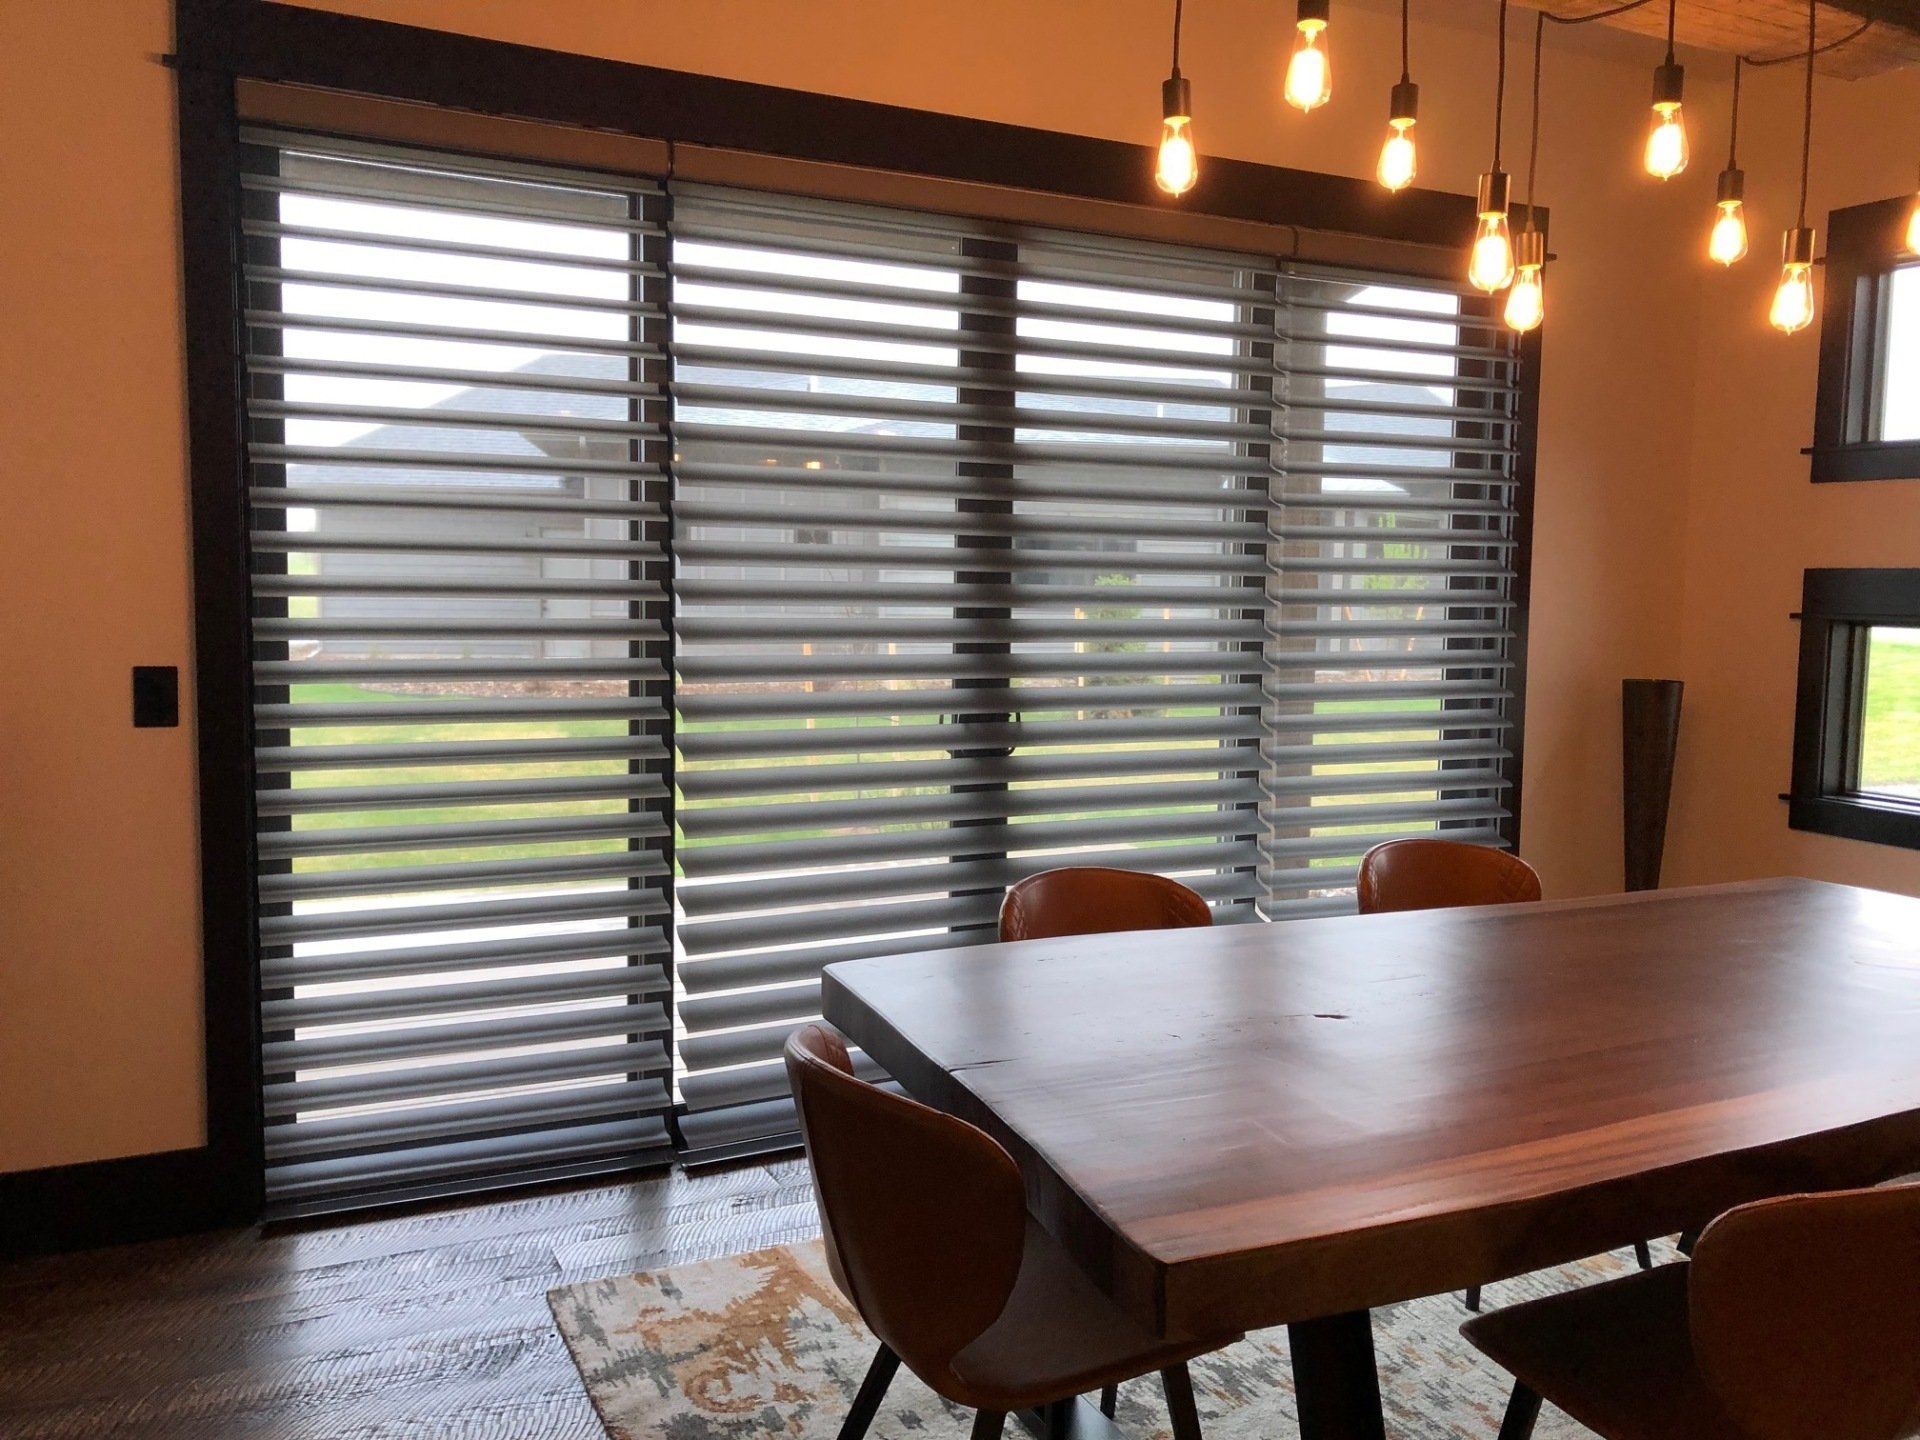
x=221 y=43
x=1838 y=609
x=1866 y=244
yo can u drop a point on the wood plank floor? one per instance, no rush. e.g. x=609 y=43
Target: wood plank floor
x=430 y=1323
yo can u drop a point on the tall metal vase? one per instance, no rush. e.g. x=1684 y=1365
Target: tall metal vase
x=1650 y=736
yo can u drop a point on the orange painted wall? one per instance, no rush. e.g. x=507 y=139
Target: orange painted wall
x=100 y=981
x=1755 y=523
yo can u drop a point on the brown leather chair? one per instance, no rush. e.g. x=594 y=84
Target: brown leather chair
x=1798 y=1319
x=1441 y=874
x=1093 y=900
x=927 y=1234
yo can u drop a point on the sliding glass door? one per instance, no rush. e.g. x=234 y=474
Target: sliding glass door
x=662 y=593
x=461 y=735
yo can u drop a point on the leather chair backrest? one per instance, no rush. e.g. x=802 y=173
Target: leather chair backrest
x=925 y=1215
x=1093 y=900
x=1805 y=1313
x=1441 y=874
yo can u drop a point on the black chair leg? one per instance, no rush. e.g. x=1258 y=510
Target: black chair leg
x=1109 y=1400
x=1473 y=1299
x=873 y=1389
x=1688 y=1239
x=1178 y=1386
x=1522 y=1410
x=1643 y=1254
x=987 y=1424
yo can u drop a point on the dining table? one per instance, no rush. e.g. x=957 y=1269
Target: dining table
x=1298 y=1123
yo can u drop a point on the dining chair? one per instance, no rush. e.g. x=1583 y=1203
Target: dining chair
x=1797 y=1319
x=1423 y=874
x=1095 y=900
x=1433 y=874
x=928 y=1236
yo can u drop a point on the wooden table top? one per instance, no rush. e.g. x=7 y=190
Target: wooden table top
x=1260 y=1124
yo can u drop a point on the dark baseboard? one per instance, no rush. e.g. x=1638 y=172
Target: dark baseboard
x=114 y=1202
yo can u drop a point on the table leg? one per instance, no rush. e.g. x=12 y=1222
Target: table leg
x=1076 y=1419
x=1334 y=1381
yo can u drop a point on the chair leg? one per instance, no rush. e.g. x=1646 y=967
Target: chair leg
x=987 y=1424
x=1522 y=1410
x=1643 y=1254
x=873 y=1389
x=1109 y=1400
x=1688 y=1239
x=1473 y=1299
x=1178 y=1386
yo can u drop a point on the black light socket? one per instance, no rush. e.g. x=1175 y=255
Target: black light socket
x=1320 y=10
x=1669 y=84
x=1800 y=244
x=1530 y=250
x=156 y=697
x=1406 y=102
x=1496 y=193
x=1176 y=97
x=1733 y=185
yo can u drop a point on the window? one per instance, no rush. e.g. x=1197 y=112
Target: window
x=463 y=839
x=663 y=592
x=1867 y=424
x=1857 y=731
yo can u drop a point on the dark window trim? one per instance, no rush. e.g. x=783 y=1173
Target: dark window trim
x=1836 y=609
x=221 y=42
x=1865 y=245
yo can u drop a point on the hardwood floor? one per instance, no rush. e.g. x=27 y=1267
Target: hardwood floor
x=430 y=1323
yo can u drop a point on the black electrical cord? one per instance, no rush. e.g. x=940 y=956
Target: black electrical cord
x=1177 y=5
x=1733 y=127
x=1406 y=41
x=1500 y=89
x=1827 y=49
x=1806 y=131
x=1533 y=147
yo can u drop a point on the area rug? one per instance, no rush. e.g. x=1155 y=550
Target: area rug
x=764 y=1345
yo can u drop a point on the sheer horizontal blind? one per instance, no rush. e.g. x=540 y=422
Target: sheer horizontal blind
x=970 y=531
x=1394 y=530
x=459 y=581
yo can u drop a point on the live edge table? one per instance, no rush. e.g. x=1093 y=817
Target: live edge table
x=1293 y=1124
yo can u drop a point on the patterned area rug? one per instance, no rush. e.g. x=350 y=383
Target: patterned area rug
x=765 y=1345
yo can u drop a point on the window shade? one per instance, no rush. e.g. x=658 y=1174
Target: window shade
x=459 y=581
x=1394 y=531
x=971 y=546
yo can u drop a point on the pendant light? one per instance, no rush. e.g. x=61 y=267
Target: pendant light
x=1490 y=266
x=1399 y=162
x=1527 y=300
x=1309 y=71
x=1177 y=166
x=1667 y=150
x=1793 y=304
x=1727 y=242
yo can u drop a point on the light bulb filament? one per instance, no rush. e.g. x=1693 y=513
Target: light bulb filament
x=1491 y=266
x=1399 y=161
x=1793 y=301
x=1309 y=72
x=1728 y=242
x=1178 y=165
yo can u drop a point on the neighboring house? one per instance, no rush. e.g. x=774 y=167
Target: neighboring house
x=457 y=429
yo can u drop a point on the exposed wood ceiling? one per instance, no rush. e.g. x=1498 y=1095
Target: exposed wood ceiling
x=1775 y=27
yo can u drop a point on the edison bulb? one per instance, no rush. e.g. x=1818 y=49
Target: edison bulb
x=1527 y=301
x=1667 y=149
x=1913 y=227
x=1491 y=268
x=1728 y=242
x=1309 y=73
x=1398 y=160
x=1793 y=301
x=1179 y=162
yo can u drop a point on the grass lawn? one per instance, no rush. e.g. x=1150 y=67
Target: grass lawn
x=1890 y=743
x=585 y=728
